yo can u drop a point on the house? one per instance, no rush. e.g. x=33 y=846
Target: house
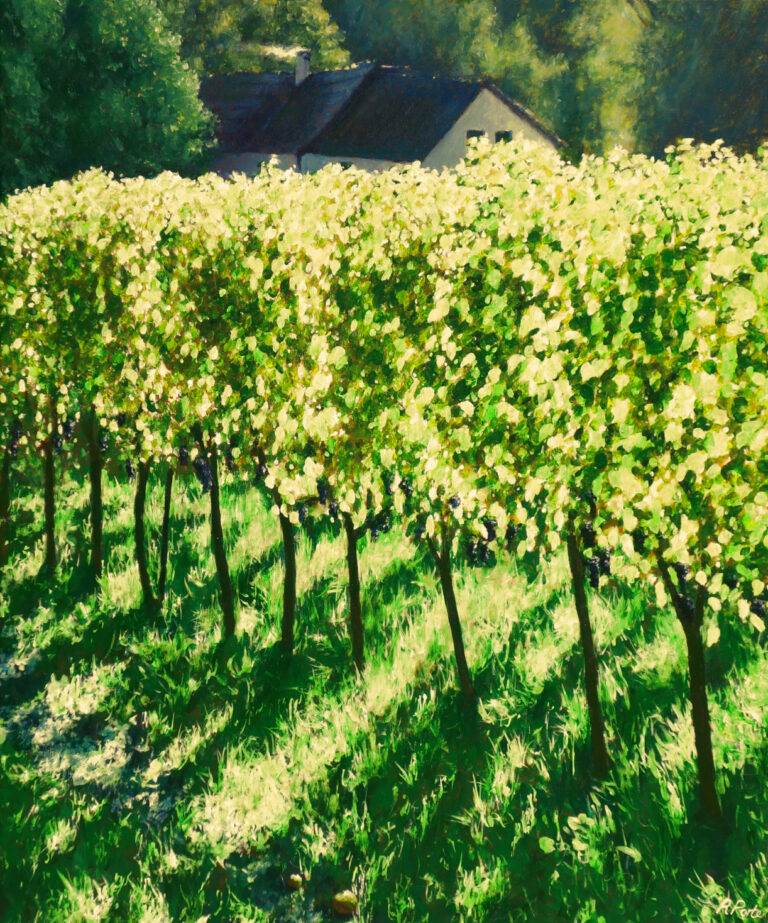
x=371 y=116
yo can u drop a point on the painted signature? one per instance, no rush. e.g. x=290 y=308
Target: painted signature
x=739 y=909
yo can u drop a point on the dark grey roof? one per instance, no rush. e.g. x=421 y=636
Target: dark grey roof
x=372 y=111
x=311 y=108
x=244 y=103
x=397 y=114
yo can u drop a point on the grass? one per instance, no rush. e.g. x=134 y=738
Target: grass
x=140 y=782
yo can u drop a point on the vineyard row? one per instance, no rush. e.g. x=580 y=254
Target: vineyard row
x=515 y=356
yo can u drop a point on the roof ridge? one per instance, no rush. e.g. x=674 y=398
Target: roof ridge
x=368 y=68
x=524 y=111
x=269 y=112
x=271 y=119
x=312 y=73
x=452 y=78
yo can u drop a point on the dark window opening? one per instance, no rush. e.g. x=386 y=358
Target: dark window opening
x=475 y=133
x=505 y=135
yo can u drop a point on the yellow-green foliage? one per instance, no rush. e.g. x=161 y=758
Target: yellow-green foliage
x=503 y=337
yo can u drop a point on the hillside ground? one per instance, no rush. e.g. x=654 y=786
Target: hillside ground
x=140 y=780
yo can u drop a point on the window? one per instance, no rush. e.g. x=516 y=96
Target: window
x=505 y=135
x=475 y=133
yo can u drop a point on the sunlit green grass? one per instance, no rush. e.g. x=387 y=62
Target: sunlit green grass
x=142 y=781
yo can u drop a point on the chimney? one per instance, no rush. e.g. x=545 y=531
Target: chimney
x=302 y=67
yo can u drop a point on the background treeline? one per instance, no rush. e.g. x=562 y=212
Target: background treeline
x=114 y=83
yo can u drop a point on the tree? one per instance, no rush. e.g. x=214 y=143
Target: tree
x=706 y=72
x=229 y=35
x=30 y=131
x=94 y=85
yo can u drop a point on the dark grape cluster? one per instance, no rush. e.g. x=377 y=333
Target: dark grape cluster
x=682 y=571
x=260 y=473
x=593 y=572
x=322 y=492
x=406 y=487
x=183 y=456
x=490 y=527
x=604 y=562
x=129 y=469
x=57 y=444
x=510 y=535
x=638 y=541
x=379 y=524
x=203 y=473
x=478 y=553
x=730 y=580
x=687 y=605
x=302 y=514
x=588 y=538
x=454 y=503
x=229 y=459
x=333 y=510
x=68 y=428
x=757 y=607
x=13 y=445
x=389 y=487
x=418 y=532
x=103 y=441
x=120 y=419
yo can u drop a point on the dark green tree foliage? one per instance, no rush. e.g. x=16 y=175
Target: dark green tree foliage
x=31 y=136
x=707 y=72
x=220 y=36
x=305 y=23
x=549 y=21
x=649 y=73
x=433 y=35
x=122 y=72
x=94 y=84
x=541 y=53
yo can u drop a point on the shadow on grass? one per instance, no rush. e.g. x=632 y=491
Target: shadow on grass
x=260 y=688
x=445 y=844
x=451 y=750
x=414 y=802
x=109 y=634
x=262 y=685
x=182 y=686
x=386 y=814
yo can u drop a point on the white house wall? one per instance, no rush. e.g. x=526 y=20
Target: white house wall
x=250 y=163
x=485 y=113
x=312 y=162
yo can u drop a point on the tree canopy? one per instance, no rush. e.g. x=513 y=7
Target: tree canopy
x=255 y=35
x=94 y=84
